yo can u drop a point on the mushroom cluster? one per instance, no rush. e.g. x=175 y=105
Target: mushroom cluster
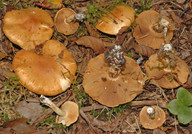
x=43 y=66
x=48 y=73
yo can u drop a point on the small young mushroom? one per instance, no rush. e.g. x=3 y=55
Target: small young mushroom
x=153 y=29
x=28 y=27
x=120 y=17
x=152 y=117
x=166 y=69
x=66 y=21
x=48 y=73
x=67 y=115
x=113 y=79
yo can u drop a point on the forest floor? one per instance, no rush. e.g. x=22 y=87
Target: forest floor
x=17 y=102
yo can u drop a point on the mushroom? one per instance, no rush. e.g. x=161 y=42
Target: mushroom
x=121 y=17
x=28 y=27
x=48 y=73
x=67 y=115
x=153 y=29
x=113 y=79
x=166 y=69
x=65 y=21
x=152 y=117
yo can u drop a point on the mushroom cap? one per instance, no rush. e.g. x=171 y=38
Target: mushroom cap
x=61 y=23
x=152 y=123
x=49 y=73
x=71 y=110
x=112 y=92
x=144 y=33
x=160 y=76
x=120 y=17
x=28 y=27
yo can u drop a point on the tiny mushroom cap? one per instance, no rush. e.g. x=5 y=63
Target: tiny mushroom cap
x=71 y=113
x=48 y=73
x=152 y=117
x=165 y=76
x=64 y=21
x=121 y=17
x=147 y=34
x=68 y=113
x=110 y=91
x=28 y=27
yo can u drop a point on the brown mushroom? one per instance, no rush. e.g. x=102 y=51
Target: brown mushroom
x=153 y=29
x=48 y=73
x=67 y=115
x=64 y=21
x=113 y=85
x=152 y=117
x=163 y=74
x=28 y=27
x=121 y=17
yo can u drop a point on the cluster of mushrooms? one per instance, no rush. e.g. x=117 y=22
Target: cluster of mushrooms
x=110 y=78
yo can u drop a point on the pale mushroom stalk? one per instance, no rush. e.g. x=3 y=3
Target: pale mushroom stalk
x=116 y=60
x=77 y=17
x=151 y=112
x=166 y=52
x=46 y=101
x=162 y=26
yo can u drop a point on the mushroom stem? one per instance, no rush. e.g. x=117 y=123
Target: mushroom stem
x=70 y=18
x=46 y=101
x=162 y=26
x=77 y=17
x=151 y=112
x=116 y=60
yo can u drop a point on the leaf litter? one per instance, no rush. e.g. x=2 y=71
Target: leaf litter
x=84 y=45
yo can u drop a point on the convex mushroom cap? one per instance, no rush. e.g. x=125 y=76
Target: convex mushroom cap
x=112 y=91
x=48 y=73
x=120 y=17
x=28 y=27
x=152 y=117
x=163 y=75
x=147 y=34
x=64 y=21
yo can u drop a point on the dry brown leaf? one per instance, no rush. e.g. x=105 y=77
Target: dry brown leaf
x=96 y=44
x=18 y=126
x=30 y=110
x=91 y=30
x=141 y=49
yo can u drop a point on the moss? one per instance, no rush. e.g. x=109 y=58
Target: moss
x=95 y=11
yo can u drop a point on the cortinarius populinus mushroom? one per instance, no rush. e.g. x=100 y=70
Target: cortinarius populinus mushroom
x=153 y=29
x=120 y=17
x=152 y=117
x=113 y=79
x=48 y=73
x=166 y=69
x=28 y=27
x=65 y=21
x=67 y=115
